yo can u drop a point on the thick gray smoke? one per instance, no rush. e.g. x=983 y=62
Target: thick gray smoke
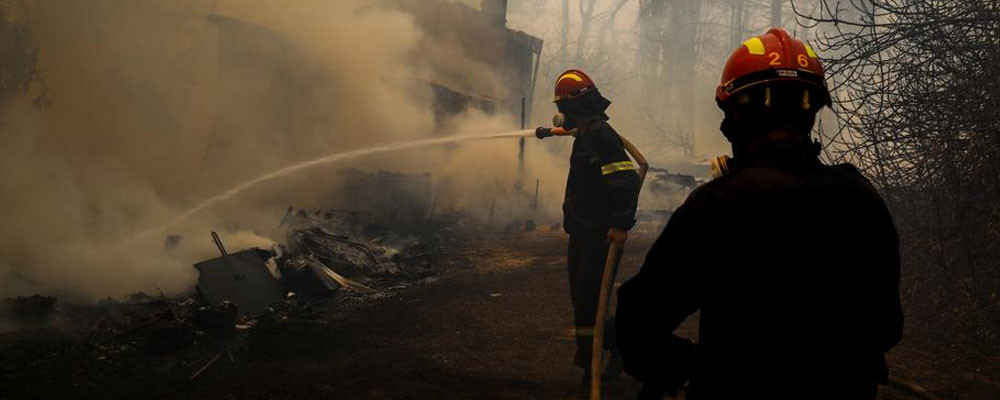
x=155 y=105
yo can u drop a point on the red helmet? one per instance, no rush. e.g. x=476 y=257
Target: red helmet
x=773 y=56
x=572 y=84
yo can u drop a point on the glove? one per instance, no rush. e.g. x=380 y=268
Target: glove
x=542 y=132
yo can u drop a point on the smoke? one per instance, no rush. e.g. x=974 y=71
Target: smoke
x=481 y=177
x=660 y=70
x=155 y=105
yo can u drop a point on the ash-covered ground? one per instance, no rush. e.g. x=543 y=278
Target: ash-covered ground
x=456 y=312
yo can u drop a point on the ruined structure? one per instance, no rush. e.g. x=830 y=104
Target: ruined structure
x=507 y=61
x=509 y=58
x=263 y=70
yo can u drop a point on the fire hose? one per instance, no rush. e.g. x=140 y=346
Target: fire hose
x=603 y=300
x=633 y=151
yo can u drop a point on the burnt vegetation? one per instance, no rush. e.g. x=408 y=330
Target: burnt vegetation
x=917 y=95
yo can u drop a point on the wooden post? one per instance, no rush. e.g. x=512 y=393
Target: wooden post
x=520 y=152
x=534 y=206
x=776 y=13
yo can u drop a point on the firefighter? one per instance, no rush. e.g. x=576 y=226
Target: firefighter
x=792 y=263
x=602 y=191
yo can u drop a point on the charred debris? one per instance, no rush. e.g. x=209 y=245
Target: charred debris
x=247 y=300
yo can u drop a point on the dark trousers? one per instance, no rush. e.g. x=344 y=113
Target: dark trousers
x=585 y=261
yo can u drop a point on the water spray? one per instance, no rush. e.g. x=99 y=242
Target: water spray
x=329 y=159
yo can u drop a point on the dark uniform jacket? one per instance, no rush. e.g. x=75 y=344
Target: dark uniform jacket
x=602 y=189
x=794 y=267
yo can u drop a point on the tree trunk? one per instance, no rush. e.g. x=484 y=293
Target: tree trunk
x=652 y=53
x=776 y=13
x=586 y=16
x=564 y=31
x=685 y=55
x=737 y=23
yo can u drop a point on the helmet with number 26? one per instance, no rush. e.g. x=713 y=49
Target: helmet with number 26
x=770 y=59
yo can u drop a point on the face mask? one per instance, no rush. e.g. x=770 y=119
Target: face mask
x=561 y=120
x=558 y=120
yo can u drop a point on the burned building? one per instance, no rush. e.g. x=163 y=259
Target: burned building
x=508 y=59
x=467 y=58
x=505 y=62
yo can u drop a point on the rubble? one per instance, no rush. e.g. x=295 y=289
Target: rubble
x=246 y=304
x=666 y=189
x=350 y=244
x=308 y=276
x=32 y=309
x=337 y=250
x=218 y=321
x=327 y=250
x=241 y=278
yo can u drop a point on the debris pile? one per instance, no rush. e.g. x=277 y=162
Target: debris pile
x=242 y=278
x=352 y=245
x=342 y=252
x=667 y=190
x=247 y=303
x=173 y=339
x=32 y=309
x=312 y=278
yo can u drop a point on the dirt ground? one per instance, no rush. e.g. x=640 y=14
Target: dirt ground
x=495 y=325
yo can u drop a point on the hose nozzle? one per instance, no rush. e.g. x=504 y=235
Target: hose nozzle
x=543 y=132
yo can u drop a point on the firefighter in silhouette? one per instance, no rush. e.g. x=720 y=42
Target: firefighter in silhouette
x=793 y=264
x=602 y=191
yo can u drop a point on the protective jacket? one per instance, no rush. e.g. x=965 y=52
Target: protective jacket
x=602 y=189
x=794 y=267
